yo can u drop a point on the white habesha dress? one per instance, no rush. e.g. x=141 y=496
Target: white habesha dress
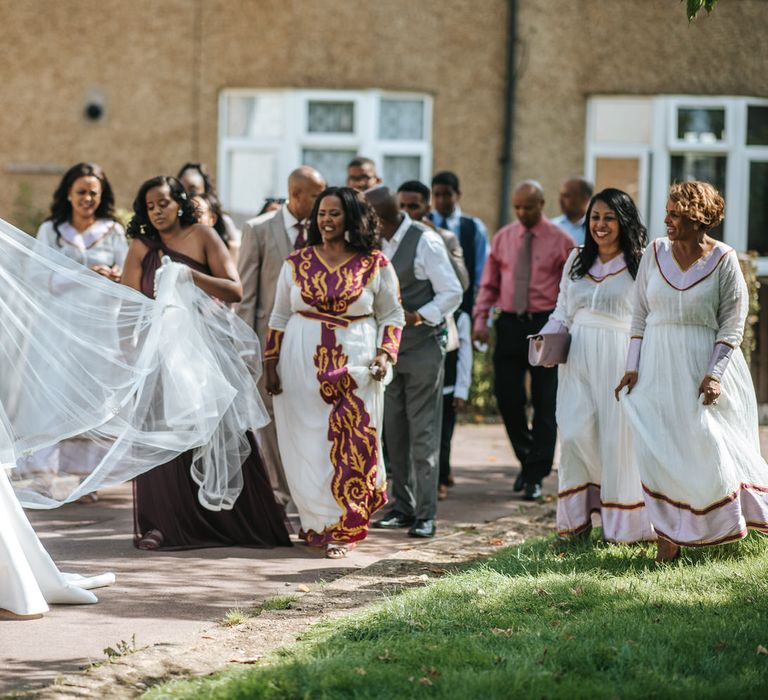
x=326 y=326
x=598 y=471
x=103 y=243
x=704 y=479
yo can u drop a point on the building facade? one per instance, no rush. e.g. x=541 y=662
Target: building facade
x=627 y=92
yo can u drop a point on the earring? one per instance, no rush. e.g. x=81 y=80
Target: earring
x=180 y=213
x=346 y=236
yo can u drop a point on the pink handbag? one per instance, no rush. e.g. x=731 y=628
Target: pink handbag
x=553 y=349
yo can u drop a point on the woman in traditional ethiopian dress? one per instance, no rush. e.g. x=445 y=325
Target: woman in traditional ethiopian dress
x=598 y=470
x=334 y=331
x=690 y=400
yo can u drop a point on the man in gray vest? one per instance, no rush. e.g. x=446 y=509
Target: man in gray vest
x=429 y=291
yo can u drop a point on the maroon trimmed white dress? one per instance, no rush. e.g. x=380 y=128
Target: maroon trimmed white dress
x=598 y=471
x=704 y=479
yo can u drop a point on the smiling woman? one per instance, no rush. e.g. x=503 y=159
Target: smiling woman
x=333 y=333
x=690 y=400
x=598 y=469
x=82 y=226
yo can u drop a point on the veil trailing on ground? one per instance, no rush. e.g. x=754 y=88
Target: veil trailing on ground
x=100 y=384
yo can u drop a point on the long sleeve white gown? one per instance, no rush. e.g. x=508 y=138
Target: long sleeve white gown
x=598 y=470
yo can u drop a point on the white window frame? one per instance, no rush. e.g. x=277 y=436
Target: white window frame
x=655 y=159
x=364 y=139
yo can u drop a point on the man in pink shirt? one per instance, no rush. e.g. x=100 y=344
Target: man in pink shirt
x=521 y=279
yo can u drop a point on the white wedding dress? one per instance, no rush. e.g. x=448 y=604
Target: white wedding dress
x=145 y=379
x=29 y=580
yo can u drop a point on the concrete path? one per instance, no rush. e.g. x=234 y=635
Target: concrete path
x=172 y=597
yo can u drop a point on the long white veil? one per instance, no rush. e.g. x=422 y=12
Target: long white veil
x=100 y=383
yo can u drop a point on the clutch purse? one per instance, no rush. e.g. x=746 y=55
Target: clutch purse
x=552 y=350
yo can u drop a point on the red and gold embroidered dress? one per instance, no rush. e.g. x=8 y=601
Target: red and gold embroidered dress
x=327 y=325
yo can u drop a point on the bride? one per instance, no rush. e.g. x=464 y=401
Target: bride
x=29 y=580
x=139 y=377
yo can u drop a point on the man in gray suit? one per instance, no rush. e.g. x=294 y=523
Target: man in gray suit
x=267 y=242
x=429 y=290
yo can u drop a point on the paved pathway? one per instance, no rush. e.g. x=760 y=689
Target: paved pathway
x=171 y=597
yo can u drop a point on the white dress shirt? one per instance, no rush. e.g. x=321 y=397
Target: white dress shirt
x=431 y=263
x=290 y=225
x=460 y=389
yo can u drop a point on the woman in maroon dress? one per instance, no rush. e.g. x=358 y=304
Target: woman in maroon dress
x=167 y=508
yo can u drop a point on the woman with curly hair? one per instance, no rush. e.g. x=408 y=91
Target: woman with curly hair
x=689 y=397
x=598 y=471
x=82 y=222
x=333 y=333
x=171 y=510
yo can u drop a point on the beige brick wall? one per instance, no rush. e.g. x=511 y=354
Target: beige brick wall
x=571 y=49
x=162 y=65
x=162 y=90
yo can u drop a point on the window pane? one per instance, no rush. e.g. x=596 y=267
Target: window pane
x=255 y=116
x=400 y=169
x=622 y=173
x=622 y=120
x=331 y=164
x=695 y=125
x=331 y=117
x=692 y=166
x=401 y=120
x=757 y=126
x=757 y=238
x=252 y=178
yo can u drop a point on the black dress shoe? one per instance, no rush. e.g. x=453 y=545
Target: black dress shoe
x=394 y=521
x=532 y=492
x=423 y=528
x=519 y=482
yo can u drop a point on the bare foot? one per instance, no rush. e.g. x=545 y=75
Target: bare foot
x=666 y=550
x=89 y=498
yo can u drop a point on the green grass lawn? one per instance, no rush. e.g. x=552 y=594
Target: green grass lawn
x=593 y=621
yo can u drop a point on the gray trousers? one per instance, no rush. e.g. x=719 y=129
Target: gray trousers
x=412 y=421
x=267 y=438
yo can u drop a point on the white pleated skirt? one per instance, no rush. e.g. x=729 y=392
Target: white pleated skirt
x=704 y=478
x=598 y=470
